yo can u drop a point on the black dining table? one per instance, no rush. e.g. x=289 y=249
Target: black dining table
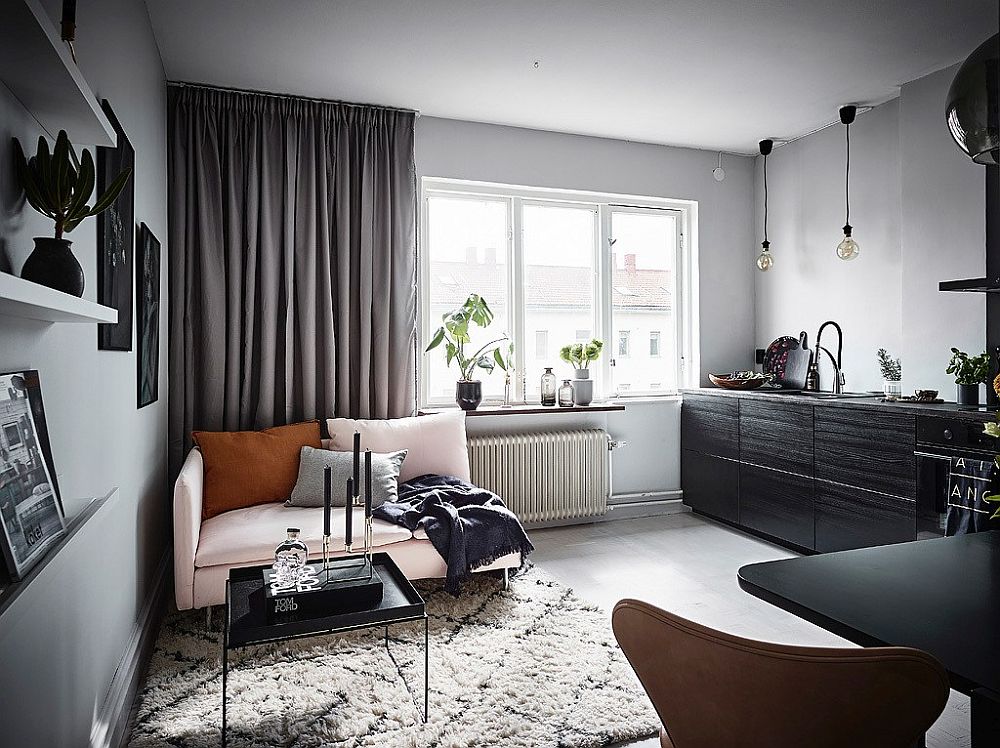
x=941 y=596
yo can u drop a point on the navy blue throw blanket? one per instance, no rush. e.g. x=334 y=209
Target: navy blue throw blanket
x=469 y=526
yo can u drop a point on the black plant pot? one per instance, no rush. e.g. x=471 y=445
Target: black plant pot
x=968 y=394
x=468 y=395
x=53 y=264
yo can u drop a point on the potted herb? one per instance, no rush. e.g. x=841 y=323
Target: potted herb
x=59 y=185
x=969 y=372
x=454 y=333
x=892 y=373
x=580 y=356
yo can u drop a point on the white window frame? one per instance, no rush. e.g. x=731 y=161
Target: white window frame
x=603 y=204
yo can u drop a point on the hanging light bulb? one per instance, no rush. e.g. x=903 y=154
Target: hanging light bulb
x=848 y=249
x=764 y=260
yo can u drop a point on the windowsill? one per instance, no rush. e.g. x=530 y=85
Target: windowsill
x=531 y=409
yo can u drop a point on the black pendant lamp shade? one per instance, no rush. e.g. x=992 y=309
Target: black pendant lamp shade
x=848 y=249
x=973 y=106
x=764 y=260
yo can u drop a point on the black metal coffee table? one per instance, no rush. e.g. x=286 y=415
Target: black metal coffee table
x=245 y=623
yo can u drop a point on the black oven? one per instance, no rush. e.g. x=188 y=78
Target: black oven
x=939 y=439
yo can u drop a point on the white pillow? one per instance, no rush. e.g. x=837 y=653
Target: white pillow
x=434 y=443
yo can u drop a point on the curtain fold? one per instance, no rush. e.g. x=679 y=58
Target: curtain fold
x=292 y=261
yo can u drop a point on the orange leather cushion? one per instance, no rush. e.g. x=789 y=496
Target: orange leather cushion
x=245 y=468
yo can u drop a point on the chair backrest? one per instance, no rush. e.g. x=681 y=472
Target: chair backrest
x=713 y=689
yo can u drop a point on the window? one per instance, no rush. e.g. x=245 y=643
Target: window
x=563 y=267
x=541 y=344
x=624 y=336
x=654 y=344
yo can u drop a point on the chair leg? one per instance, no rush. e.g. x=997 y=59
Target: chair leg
x=506 y=578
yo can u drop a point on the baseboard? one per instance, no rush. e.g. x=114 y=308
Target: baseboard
x=634 y=507
x=645 y=498
x=110 y=728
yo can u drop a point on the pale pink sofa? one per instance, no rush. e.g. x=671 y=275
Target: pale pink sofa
x=204 y=552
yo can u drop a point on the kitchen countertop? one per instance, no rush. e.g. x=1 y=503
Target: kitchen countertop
x=875 y=402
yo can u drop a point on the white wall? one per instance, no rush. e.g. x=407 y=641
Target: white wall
x=917 y=207
x=509 y=155
x=99 y=439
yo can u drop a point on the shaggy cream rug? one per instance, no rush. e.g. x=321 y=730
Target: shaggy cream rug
x=531 y=666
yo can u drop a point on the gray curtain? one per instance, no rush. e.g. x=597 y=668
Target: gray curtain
x=292 y=261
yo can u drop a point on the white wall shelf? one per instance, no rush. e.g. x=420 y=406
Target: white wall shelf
x=36 y=66
x=21 y=298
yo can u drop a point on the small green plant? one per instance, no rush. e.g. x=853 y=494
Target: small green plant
x=58 y=184
x=454 y=333
x=969 y=369
x=892 y=370
x=580 y=355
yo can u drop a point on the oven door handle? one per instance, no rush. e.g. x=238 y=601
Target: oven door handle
x=932 y=456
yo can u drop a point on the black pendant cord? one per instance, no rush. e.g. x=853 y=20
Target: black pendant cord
x=847 y=177
x=766 y=242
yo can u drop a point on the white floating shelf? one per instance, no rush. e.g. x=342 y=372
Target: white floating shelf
x=21 y=298
x=37 y=67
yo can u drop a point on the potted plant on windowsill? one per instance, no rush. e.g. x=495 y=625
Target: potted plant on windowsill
x=580 y=356
x=969 y=372
x=454 y=333
x=58 y=185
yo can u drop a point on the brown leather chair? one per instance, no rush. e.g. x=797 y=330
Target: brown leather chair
x=715 y=690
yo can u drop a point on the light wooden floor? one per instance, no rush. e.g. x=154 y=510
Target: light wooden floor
x=687 y=564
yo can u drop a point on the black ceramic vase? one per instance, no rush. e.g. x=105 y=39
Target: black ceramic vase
x=968 y=394
x=53 y=264
x=468 y=395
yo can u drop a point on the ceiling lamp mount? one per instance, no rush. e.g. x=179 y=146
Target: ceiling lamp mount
x=848 y=249
x=764 y=260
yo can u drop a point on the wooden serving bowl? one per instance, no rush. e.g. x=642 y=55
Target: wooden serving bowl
x=724 y=381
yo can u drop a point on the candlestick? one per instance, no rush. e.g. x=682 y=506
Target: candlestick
x=327 y=499
x=368 y=483
x=357 y=466
x=349 y=516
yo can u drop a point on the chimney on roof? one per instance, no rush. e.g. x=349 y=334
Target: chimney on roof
x=472 y=255
x=491 y=256
x=630 y=264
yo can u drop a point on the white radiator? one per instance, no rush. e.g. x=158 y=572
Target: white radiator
x=544 y=477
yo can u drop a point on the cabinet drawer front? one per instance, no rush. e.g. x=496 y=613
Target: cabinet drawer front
x=849 y=518
x=778 y=435
x=710 y=425
x=867 y=449
x=779 y=504
x=710 y=484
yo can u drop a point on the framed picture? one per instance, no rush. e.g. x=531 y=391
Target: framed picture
x=115 y=232
x=30 y=508
x=147 y=302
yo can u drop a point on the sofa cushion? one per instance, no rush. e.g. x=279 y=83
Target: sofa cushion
x=244 y=468
x=249 y=536
x=308 y=489
x=434 y=443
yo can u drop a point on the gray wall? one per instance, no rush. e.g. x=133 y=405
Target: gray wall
x=917 y=205
x=99 y=439
x=510 y=155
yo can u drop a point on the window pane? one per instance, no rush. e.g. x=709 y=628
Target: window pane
x=541 y=344
x=644 y=262
x=559 y=282
x=583 y=336
x=467 y=253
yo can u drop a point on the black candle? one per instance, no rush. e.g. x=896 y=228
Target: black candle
x=357 y=463
x=327 y=499
x=349 y=514
x=368 y=483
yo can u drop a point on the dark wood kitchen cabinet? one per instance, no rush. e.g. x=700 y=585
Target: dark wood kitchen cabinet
x=809 y=475
x=777 y=504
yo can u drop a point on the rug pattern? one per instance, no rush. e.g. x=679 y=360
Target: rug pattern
x=530 y=666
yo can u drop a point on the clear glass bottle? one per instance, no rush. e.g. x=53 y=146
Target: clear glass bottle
x=548 y=387
x=290 y=557
x=566 y=394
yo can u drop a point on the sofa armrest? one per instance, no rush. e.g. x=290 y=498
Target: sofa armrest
x=187 y=526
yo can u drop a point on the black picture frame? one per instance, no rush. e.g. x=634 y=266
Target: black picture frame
x=31 y=511
x=147 y=302
x=115 y=236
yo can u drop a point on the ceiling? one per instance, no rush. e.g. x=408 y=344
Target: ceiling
x=715 y=74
